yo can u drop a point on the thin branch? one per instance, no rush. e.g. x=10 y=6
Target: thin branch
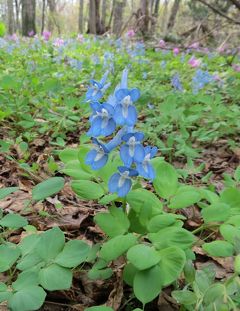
x=220 y=12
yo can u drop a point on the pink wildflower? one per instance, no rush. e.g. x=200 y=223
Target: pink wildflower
x=194 y=62
x=176 y=51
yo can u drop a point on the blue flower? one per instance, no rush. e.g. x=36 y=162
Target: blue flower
x=125 y=111
x=102 y=122
x=96 y=91
x=98 y=156
x=121 y=182
x=144 y=167
x=176 y=83
x=132 y=150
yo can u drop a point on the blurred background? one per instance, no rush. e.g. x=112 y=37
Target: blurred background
x=212 y=22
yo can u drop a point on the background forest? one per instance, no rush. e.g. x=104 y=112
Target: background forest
x=175 y=20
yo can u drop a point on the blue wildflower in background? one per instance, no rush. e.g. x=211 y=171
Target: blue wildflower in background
x=176 y=83
x=118 y=113
x=200 y=79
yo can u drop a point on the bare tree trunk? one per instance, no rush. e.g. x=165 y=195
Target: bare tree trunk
x=94 y=23
x=28 y=17
x=118 y=16
x=43 y=15
x=104 y=13
x=80 y=17
x=17 y=15
x=145 y=16
x=53 y=16
x=155 y=15
x=92 y=17
x=111 y=14
x=164 y=17
x=173 y=15
x=10 y=17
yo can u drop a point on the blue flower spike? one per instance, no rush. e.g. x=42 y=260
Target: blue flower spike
x=144 y=167
x=118 y=116
x=98 y=156
x=132 y=150
x=102 y=122
x=121 y=182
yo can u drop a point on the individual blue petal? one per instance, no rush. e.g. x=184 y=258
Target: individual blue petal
x=125 y=157
x=121 y=93
x=134 y=94
x=109 y=128
x=132 y=116
x=108 y=107
x=104 y=78
x=123 y=169
x=118 y=117
x=113 y=182
x=146 y=170
x=124 y=79
x=90 y=156
x=139 y=136
x=125 y=188
x=139 y=153
x=95 y=129
x=95 y=106
x=99 y=163
x=154 y=151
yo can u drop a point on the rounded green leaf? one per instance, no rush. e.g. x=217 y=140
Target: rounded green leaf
x=55 y=277
x=160 y=221
x=13 y=221
x=28 y=298
x=147 y=284
x=129 y=273
x=166 y=180
x=51 y=244
x=171 y=265
x=230 y=233
x=87 y=189
x=185 y=197
x=216 y=212
x=143 y=256
x=4 y=192
x=68 y=154
x=117 y=246
x=47 y=188
x=25 y=279
x=184 y=297
x=219 y=248
x=9 y=253
x=214 y=292
x=73 y=254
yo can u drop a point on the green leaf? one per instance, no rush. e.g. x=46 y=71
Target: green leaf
x=219 y=248
x=114 y=223
x=28 y=298
x=75 y=170
x=51 y=244
x=88 y=190
x=160 y=222
x=172 y=236
x=25 y=279
x=4 y=192
x=28 y=243
x=29 y=261
x=184 y=197
x=68 y=154
x=230 y=233
x=171 y=265
x=13 y=221
x=147 y=284
x=143 y=256
x=108 y=199
x=166 y=181
x=216 y=212
x=138 y=198
x=73 y=254
x=99 y=308
x=55 y=277
x=100 y=274
x=237 y=264
x=184 y=297
x=117 y=246
x=47 y=188
x=9 y=254
x=231 y=196
x=129 y=273
x=237 y=174
x=213 y=293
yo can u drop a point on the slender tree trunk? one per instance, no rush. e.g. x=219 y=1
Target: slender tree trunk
x=164 y=17
x=53 y=16
x=43 y=15
x=10 y=17
x=104 y=13
x=173 y=15
x=17 y=15
x=80 y=17
x=111 y=14
x=28 y=17
x=118 y=16
x=92 y=17
x=145 y=16
x=155 y=16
